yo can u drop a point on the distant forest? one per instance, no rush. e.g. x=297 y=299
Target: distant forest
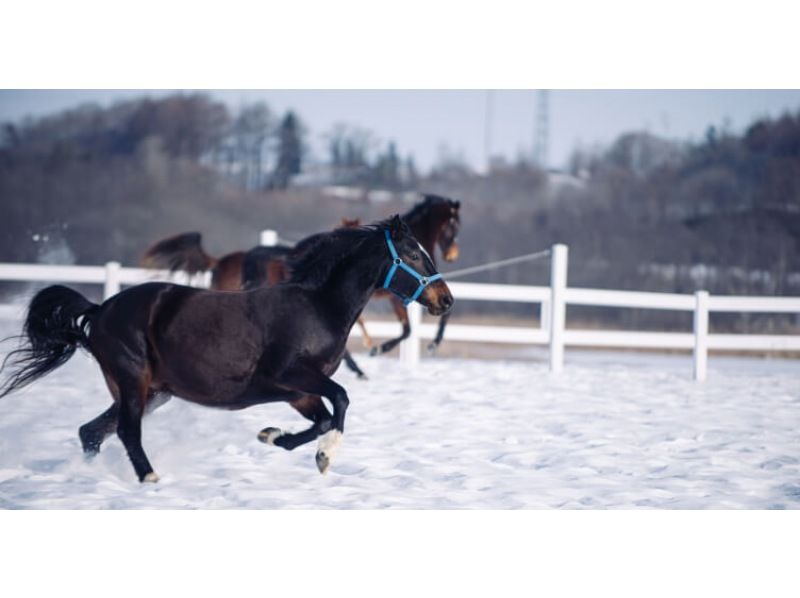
x=99 y=183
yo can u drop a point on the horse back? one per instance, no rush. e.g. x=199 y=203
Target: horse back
x=227 y=273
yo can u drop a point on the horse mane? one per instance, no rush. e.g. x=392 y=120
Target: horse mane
x=314 y=258
x=180 y=252
x=255 y=267
x=415 y=214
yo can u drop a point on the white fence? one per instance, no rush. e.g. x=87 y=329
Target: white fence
x=552 y=302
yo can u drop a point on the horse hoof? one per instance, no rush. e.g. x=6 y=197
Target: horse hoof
x=323 y=462
x=151 y=477
x=374 y=351
x=90 y=452
x=432 y=348
x=269 y=435
x=328 y=445
x=362 y=376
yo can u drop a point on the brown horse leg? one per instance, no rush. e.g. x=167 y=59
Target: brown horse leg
x=312 y=408
x=402 y=315
x=366 y=339
x=434 y=344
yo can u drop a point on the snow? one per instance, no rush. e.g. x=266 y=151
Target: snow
x=615 y=430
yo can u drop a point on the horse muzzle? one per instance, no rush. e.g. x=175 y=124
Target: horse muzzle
x=452 y=253
x=438 y=298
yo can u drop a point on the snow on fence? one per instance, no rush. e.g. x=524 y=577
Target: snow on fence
x=552 y=302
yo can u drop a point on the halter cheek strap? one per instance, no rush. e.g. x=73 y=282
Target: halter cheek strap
x=397 y=262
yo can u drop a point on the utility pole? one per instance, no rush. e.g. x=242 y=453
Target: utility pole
x=542 y=129
x=487 y=131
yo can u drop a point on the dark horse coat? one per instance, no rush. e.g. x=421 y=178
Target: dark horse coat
x=223 y=349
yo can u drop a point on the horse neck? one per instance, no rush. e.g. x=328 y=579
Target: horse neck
x=351 y=284
x=426 y=230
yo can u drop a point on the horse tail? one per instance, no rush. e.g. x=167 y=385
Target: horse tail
x=54 y=327
x=181 y=252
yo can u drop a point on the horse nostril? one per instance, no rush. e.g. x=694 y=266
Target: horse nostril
x=447 y=301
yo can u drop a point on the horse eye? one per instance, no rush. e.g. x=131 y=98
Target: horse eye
x=414 y=256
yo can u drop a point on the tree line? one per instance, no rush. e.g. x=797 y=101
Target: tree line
x=98 y=183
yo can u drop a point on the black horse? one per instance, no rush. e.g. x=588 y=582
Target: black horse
x=434 y=222
x=264 y=266
x=229 y=350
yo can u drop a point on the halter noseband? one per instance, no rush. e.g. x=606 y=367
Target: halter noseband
x=397 y=262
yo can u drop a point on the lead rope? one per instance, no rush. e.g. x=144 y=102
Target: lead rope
x=497 y=264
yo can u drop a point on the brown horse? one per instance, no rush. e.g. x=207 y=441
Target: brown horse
x=229 y=350
x=185 y=252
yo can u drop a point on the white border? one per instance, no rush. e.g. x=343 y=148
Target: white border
x=417 y=43
x=368 y=44
x=422 y=553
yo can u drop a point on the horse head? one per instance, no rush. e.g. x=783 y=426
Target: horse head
x=412 y=274
x=448 y=233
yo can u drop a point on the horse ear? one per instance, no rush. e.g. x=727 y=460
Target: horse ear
x=397 y=227
x=457 y=204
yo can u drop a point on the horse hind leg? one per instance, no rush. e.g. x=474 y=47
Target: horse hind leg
x=353 y=366
x=134 y=393
x=93 y=433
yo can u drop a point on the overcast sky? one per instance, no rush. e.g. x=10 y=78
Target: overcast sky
x=426 y=123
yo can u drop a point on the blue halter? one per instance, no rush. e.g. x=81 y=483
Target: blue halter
x=397 y=262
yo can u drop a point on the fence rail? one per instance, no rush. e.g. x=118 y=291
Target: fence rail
x=552 y=301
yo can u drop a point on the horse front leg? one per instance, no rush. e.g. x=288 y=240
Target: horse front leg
x=366 y=339
x=402 y=314
x=434 y=344
x=312 y=408
x=309 y=380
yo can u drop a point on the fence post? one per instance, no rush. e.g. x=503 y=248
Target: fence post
x=112 y=284
x=409 y=348
x=558 y=308
x=268 y=238
x=544 y=315
x=700 y=335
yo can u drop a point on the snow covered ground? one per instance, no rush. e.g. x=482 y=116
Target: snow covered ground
x=614 y=430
